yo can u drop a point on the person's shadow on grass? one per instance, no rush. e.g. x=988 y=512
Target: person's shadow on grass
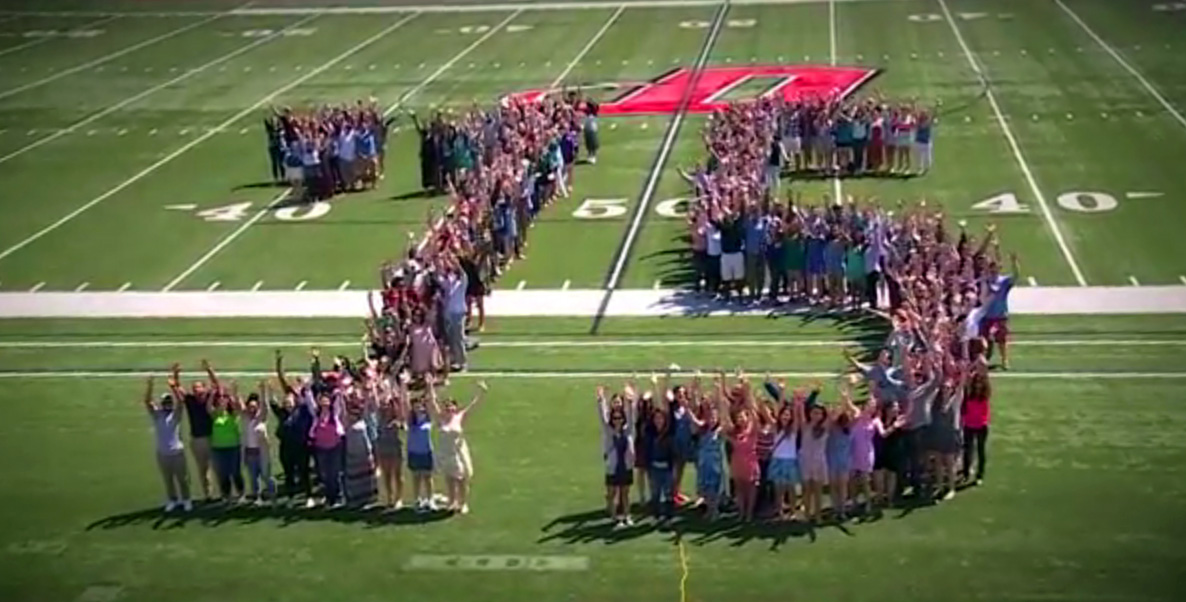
x=688 y=526
x=212 y=515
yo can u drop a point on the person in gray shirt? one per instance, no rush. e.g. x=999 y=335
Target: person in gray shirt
x=166 y=419
x=923 y=383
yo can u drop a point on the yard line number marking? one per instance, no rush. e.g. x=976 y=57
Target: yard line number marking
x=237 y=212
x=1005 y=203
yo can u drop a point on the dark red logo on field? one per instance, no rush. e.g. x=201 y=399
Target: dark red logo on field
x=716 y=85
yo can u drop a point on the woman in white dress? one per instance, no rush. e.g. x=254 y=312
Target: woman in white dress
x=455 y=462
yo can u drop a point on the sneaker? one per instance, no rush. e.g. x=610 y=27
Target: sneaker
x=338 y=504
x=465 y=509
x=310 y=503
x=619 y=524
x=431 y=506
x=170 y=505
x=950 y=495
x=979 y=481
x=398 y=505
x=187 y=505
x=628 y=521
x=680 y=499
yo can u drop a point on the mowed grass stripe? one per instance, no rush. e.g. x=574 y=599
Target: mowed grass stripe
x=205 y=153
x=1095 y=135
x=188 y=72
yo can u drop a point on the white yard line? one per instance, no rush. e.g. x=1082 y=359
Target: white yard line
x=453 y=61
x=42 y=40
x=1016 y=148
x=837 y=191
x=589 y=46
x=226 y=240
x=131 y=99
x=140 y=374
x=652 y=182
x=1123 y=63
x=107 y=57
x=202 y=138
x=561 y=344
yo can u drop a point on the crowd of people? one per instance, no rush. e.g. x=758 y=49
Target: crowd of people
x=356 y=425
x=747 y=242
x=327 y=150
x=500 y=168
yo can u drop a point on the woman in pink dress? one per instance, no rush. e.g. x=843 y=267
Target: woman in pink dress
x=864 y=429
x=423 y=350
x=743 y=466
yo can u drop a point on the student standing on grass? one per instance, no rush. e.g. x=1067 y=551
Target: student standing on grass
x=326 y=436
x=732 y=246
x=813 y=463
x=784 y=460
x=295 y=417
x=642 y=442
x=361 y=486
x=996 y=322
x=946 y=434
x=420 y=457
x=889 y=452
x=592 y=139
x=838 y=452
x=975 y=417
x=200 y=425
x=710 y=453
x=456 y=464
x=743 y=436
x=257 y=450
x=661 y=464
x=226 y=441
x=756 y=224
x=864 y=431
x=391 y=422
x=170 y=451
x=618 y=417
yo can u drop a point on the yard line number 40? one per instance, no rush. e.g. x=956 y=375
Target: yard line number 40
x=1005 y=203
x=237 y=212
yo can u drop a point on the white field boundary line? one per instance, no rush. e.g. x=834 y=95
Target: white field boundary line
x=145 y=93
x=229 y=238
x=202 y=138
x=403 y=98
x=576 y=375
x=42 y=40
x=588 y=46
x=1123 y=63
x=1016 y=148
x=428 y=8
x=652 y=182
x=837 y=191
x=108 y=57
x=554 y=344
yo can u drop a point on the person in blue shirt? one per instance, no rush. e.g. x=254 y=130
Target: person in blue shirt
x=995 y=327
x=923 y=142
x=756 y=223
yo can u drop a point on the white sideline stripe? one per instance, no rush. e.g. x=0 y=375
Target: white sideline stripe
x=837 y=190
x=209 y=133
x=1123 y=63
x=226 y=240
x=561 y=344
x=589 y=46
x=1013 y=145
x=582 y=375
x=45 y=39
x=108 y=57
x=453 y=61
x=652 y=181
x=131 y=99
x=1041 y=300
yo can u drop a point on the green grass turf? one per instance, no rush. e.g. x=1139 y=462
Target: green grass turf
x=81 y=509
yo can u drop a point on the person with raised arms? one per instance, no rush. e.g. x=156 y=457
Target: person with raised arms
x=618 y=417
x=455 y=461
x=170 y=451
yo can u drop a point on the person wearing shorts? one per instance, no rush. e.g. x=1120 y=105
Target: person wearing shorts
x=732 y=256
x=420 y=457
x=784 y=464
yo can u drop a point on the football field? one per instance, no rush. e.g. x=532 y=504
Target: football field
x=133 y=163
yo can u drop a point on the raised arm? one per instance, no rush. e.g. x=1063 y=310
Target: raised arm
x=433 y=405
x=602 y=406
x=478 y=396
x=280 y=373
x=148 y=404
x=175 y=382
x=210 y=374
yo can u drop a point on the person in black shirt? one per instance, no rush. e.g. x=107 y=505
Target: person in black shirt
x=200 y=423
x=732 y=244
x=294 y=417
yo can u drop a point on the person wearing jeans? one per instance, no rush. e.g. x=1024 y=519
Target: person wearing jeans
x=257 y=449
x=225 y=445
x=660 y=465
x=295 y=418
x=326 y=434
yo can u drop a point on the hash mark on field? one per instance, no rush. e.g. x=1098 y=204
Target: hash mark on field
x=122 y=132
x=1033 y=281
x=184 y=131
x=255 y=287
x=81 y=287
x=242 y=131
x=1133 y=281
x=658 y=283
x=522 y=284
x=152 y=132
x=1182 y=279
x=272 y=68
x=568 y=283
x=125 y=286
x=345 y=285
x=37 y=287
x=91 y=132
x=301 y=285
x=214 y=286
